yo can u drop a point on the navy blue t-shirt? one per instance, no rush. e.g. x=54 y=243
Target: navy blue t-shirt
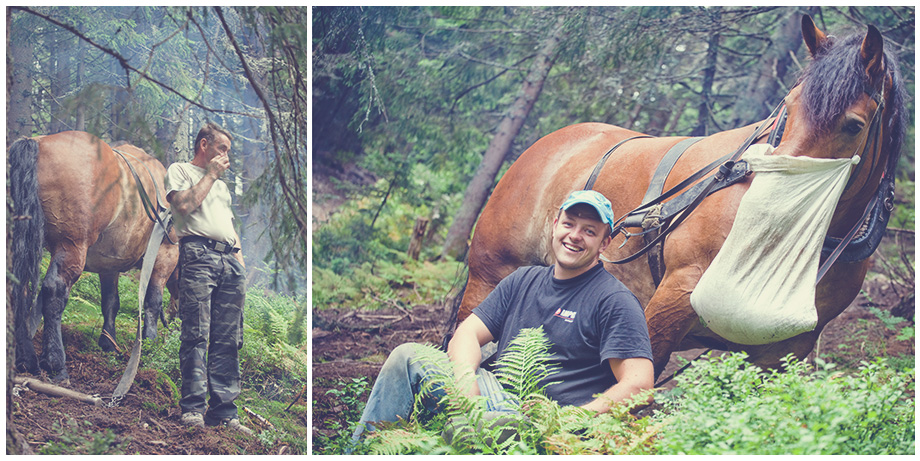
x=588 y=319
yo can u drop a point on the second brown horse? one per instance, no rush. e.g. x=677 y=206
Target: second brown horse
x=73 y=195
x=829 y=116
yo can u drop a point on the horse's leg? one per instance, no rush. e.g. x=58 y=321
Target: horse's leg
x=172 y=284
x=65 y=267
x=669 y=314
x=111 y=303
x=167 y=255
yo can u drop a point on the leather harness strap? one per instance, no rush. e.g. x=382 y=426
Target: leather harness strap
x=600 y=164
x=651 y=219
x=153 y=211
x=656 y=185
x=726 y=167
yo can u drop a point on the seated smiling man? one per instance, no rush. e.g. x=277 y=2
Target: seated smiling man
x=595 y=324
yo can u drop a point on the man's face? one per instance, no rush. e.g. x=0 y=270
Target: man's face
x=220 y=146
x=577 y=243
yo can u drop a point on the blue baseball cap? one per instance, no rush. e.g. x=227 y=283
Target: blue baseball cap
x=593 y=198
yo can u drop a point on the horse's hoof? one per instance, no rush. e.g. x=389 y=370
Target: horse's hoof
x=60 y=378
x=27 y=365
x=106 y=344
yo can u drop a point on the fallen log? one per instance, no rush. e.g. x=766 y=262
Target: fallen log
x=56 y=391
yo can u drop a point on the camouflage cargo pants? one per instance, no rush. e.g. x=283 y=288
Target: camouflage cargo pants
x=211 y=296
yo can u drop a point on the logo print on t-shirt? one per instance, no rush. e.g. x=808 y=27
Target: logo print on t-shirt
x=568 y=316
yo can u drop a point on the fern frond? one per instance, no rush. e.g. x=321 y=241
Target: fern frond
x=524 y=364
x=401 y=441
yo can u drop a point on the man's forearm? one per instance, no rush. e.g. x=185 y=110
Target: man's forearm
x=186 y=201
x=619 y=392
x=465 y=354
x=633 y=376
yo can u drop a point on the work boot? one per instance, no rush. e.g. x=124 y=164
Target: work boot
x=236 y=425
x=193 y=419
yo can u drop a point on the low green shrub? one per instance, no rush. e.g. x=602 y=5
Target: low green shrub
x=81 y=439
x=722 y=405
x=725 y=405
x=351 y=396
x=384 y=284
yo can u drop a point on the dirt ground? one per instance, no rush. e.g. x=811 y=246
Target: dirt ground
x=350 y=345
x=145 y=422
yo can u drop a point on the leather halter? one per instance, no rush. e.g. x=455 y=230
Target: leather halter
x=879 y=207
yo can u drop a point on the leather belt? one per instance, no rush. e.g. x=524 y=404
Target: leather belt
x=216 y=245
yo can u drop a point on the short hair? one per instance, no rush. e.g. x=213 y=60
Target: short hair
x=209 y=131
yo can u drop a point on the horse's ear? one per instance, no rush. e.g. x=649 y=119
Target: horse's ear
x=814 y=38
x=872 y=55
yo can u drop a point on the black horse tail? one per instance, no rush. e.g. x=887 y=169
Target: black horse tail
x=451 y=324
x=27 y=228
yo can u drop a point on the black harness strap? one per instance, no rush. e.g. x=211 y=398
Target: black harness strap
x=600 y=164
x=779 y=127
x=652 y=218
x=153 y=211
x=726 y=166
x=656 y=185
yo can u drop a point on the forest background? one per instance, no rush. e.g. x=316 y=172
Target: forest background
x=152 y=76
x=417 y=111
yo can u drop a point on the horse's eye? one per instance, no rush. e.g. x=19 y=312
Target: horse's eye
x=852 y=127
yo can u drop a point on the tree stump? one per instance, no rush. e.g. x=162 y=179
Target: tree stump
x=418 y=234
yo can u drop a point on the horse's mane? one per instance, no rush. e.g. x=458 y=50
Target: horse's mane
x=837 y=78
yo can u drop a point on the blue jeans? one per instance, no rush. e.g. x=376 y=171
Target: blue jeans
x=401 y=379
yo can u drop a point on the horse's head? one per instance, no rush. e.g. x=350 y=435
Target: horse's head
x=848 y=101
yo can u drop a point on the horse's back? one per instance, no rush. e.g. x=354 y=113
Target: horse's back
x=515 y=226
x=121 y=245
x=92 y=200
x=526 y=200
x=77 y=184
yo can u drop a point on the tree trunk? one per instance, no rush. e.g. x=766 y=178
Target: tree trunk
x=418 y=236
x=80 y=116
x=19 y=87
x=709 y=75
x=15 y=443
x=60 y=83
x=764 y=88
x=483 y=180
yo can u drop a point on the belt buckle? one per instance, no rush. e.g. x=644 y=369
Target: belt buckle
x=221 y=247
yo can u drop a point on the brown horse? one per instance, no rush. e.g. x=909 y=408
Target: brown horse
x=74 y=196
x=829 y=116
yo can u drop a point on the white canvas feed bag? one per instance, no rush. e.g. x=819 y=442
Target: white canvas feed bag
x=760 y=288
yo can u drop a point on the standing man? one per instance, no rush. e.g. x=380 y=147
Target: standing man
x=596 y=326
x=211 y=283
